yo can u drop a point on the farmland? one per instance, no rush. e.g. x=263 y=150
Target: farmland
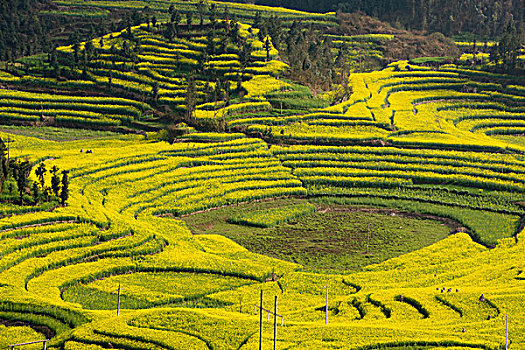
x=200 y=174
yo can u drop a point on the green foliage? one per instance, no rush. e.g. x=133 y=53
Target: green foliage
x=273 y=216
x=483 y=225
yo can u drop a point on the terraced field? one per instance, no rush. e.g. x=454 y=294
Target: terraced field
x=53 y=261
x=440 y=142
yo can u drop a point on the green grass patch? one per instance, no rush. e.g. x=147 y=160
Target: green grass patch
x=485 y=227
x=334 y=239
x=89 y=13
x=58 y=134
x=306 y=104
x=34 y=60
x=423 y=60
x=273 y=216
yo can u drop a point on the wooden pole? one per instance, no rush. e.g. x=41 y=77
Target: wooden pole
x=261 y=321
x=506 y=332
x=326 y=308
x=118 y=301
x=275 y=324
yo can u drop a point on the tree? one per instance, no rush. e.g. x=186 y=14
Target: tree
x=155 y=90
x=54 y=63
x=21 y=172
x=508 y=48
x=257 y=21
x=89 y=50
x=201 y=8
x=274 y=29
x=55 y=181
x=76 y=48
x=64 y=194
x=213 y=15
x=125 y=49
x=169 y=31
x=226 y=17
x=189 y=20
x=175 y=18
x=202 y=60
x=235 y=32
x=244 y=55
x=267 y=47
x=4 y=164
x=36 y=193
x=40 y=172
x=210 y=37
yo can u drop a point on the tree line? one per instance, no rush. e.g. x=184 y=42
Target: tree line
x=487 y=18
x=17 y=187
x=29 y=27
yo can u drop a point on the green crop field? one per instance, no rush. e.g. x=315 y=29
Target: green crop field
x=200 y=176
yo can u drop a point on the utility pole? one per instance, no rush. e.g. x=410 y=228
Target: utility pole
x=261 y=321
x=326 y=308
x=506 y=332
x=275 y=324
x=8 y=146
x=275 y=314
x=118 y=301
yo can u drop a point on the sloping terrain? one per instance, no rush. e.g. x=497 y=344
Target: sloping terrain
x=445 y=142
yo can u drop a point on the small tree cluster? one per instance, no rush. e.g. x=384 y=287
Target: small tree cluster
x=506 y=52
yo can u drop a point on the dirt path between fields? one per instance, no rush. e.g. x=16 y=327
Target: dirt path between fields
x=45 y=330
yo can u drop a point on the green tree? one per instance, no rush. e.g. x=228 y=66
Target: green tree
x=40 y=172
x=506 y=52
x=35 y=191
x=55 y=181
x=76 y=52
x=21 y=171
x=201 y=9
x=210 y=38
x=155 y=91
x=64 y=194
x=89 y=50
x=213 y=15
x=189 y=20
x=257 y=21
x=175 y=18
x=4 y=165
x=267 y=47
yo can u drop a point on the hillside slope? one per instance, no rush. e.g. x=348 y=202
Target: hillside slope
x=446 y=142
